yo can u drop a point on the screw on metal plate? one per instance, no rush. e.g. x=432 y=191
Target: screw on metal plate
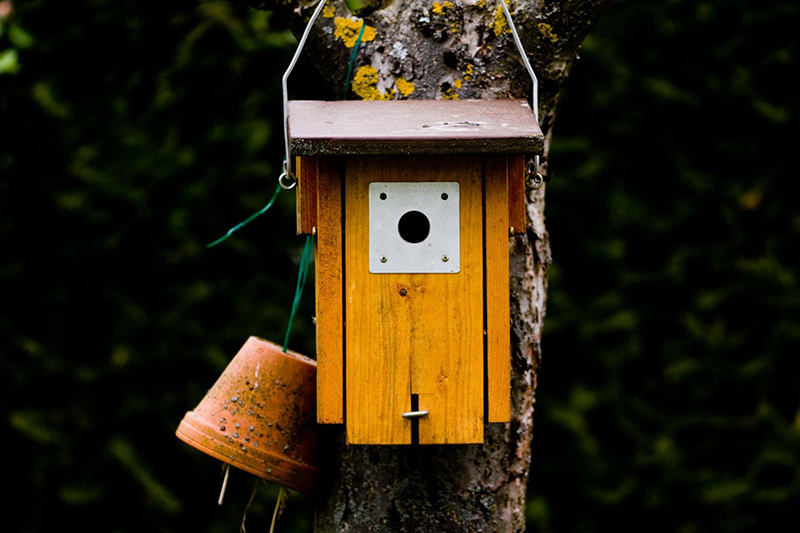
x=383 y=196
x=383 y=259
x=444 y=196
x=445 y=258
x=415 y=414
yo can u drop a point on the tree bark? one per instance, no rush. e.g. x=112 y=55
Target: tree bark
x=449 y=49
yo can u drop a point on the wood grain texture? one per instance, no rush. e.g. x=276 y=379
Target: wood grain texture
x=498 y=334
x=401 y=127
x=329 y=289
x=306 y=195
x=517 y=217
x=429 y=340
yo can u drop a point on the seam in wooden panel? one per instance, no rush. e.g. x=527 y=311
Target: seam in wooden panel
x=343 y=369
x=485 y=299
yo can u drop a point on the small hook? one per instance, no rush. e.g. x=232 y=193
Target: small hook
x=287 y=181
x=533 y=178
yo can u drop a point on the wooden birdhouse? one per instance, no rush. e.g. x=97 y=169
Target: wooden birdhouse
x=412 y=203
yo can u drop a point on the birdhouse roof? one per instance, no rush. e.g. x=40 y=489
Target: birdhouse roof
x=414 y=127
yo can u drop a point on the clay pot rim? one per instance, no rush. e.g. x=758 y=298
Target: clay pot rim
x=305 y=476
x=300 y=357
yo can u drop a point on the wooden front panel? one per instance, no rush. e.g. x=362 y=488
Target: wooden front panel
x=427 y=341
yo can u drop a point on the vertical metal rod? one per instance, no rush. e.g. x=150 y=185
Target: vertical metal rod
x=534 y=80
x=288 y=163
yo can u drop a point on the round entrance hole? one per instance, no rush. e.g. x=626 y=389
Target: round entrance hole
x=414 y=227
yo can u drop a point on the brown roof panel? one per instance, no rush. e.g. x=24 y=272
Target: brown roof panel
x=413 y=127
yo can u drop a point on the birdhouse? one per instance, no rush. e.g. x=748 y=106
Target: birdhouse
x=412 y=203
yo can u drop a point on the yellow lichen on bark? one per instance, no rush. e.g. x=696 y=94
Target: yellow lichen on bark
x=469 y=71
x=405 y=87
x=328 y=11
x=449 y=94
x=547 y=31
x=440 y=7
x=365 y=85
x=347 y=31
x=500 y=24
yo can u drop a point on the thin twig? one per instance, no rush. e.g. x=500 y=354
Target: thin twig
x=224 y=484
x=242 y=529
x=279 y=505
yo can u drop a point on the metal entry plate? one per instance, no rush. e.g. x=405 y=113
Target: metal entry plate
x=439 y=252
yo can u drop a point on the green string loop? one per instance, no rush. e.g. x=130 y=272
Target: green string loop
x=302 y=275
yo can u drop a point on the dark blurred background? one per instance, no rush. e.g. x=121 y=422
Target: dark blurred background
x=132 y=133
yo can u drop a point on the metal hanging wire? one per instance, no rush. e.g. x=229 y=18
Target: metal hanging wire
x=287 y=179
x=533 y=173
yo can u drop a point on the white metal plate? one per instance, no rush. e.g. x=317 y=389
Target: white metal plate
x=390 y=252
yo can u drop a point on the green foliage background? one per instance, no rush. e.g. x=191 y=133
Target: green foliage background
x=134 y=133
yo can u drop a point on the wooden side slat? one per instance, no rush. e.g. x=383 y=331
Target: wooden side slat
x=517 y=216
x=306 y=171
x=329 y=279
x=427 y=340
x=498 y=335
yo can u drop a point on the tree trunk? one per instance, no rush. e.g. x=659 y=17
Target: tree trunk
x=449 y=49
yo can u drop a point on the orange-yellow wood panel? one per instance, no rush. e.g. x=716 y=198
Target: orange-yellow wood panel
x=428 y=341
x=498 y=335
x=306 y=171
x=329 y=289
x=517 y=216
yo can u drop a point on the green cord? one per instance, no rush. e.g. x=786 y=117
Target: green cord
x=353 y=59
x=248 y=220
x=308 y=249
x=302 y=275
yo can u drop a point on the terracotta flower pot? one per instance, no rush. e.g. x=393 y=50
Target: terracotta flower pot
x=260 y=416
